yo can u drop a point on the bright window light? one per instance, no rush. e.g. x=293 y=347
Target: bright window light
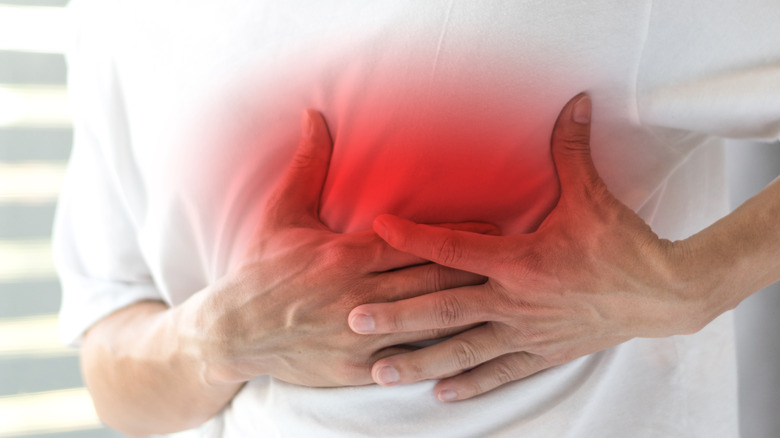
x=25 y=260
x=34 y=106
x=31 y=182
x=47 y=412
x=33 y=29
x=32 y=336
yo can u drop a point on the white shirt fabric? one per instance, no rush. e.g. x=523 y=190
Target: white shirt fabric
x=186 y=114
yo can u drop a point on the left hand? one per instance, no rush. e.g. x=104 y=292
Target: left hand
x=592 y=276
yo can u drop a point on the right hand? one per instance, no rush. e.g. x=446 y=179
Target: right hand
x=284 y=311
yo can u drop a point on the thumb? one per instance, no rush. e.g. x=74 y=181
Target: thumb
x=571 y=147
x=296 y=198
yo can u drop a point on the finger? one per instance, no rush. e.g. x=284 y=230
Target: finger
x=571 y=146
x=388 y=258
x=457 y=249
x=424 y=338
x=418 y=280
x=296 y=198
x=412 y=341
x=489 y=375
x=371 y=254
x=448 y=308
x=444 y=359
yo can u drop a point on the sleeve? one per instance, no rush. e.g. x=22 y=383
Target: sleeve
x=712 y=66
x=96 y=245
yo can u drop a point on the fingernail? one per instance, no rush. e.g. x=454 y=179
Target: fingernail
x=582 y=110
x=447 y=395
x=362 y=323
x=387 y=375
x=307 y=123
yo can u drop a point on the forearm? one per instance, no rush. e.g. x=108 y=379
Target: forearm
x=145 y=376
x=737 y=255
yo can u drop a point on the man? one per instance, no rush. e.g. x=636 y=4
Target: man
x=213 y=275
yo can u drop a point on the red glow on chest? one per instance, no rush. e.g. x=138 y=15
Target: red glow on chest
x=439 y=161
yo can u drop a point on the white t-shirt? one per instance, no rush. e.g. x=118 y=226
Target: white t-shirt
x=187 y=112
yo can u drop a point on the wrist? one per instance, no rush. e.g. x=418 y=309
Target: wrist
x=210 y=335
x=702 y=281
x=197 y=348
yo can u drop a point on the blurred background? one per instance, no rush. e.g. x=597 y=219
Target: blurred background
x=41 y=390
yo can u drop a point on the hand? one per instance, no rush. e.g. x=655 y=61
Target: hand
x=593 y=275
x=283 y=313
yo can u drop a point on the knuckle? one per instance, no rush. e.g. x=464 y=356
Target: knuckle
x=449 y=311
x=450 y=251
x=434 y=278
x=332 y=251
x=374 y=250
x=304 y=157
x=530 y=340
x=505 y=372
x=573 y=139
x=342 y=255
x=465 y=355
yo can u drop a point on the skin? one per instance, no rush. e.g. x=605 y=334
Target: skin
x=156 y=369
x=284 y=311
x=592 y=276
